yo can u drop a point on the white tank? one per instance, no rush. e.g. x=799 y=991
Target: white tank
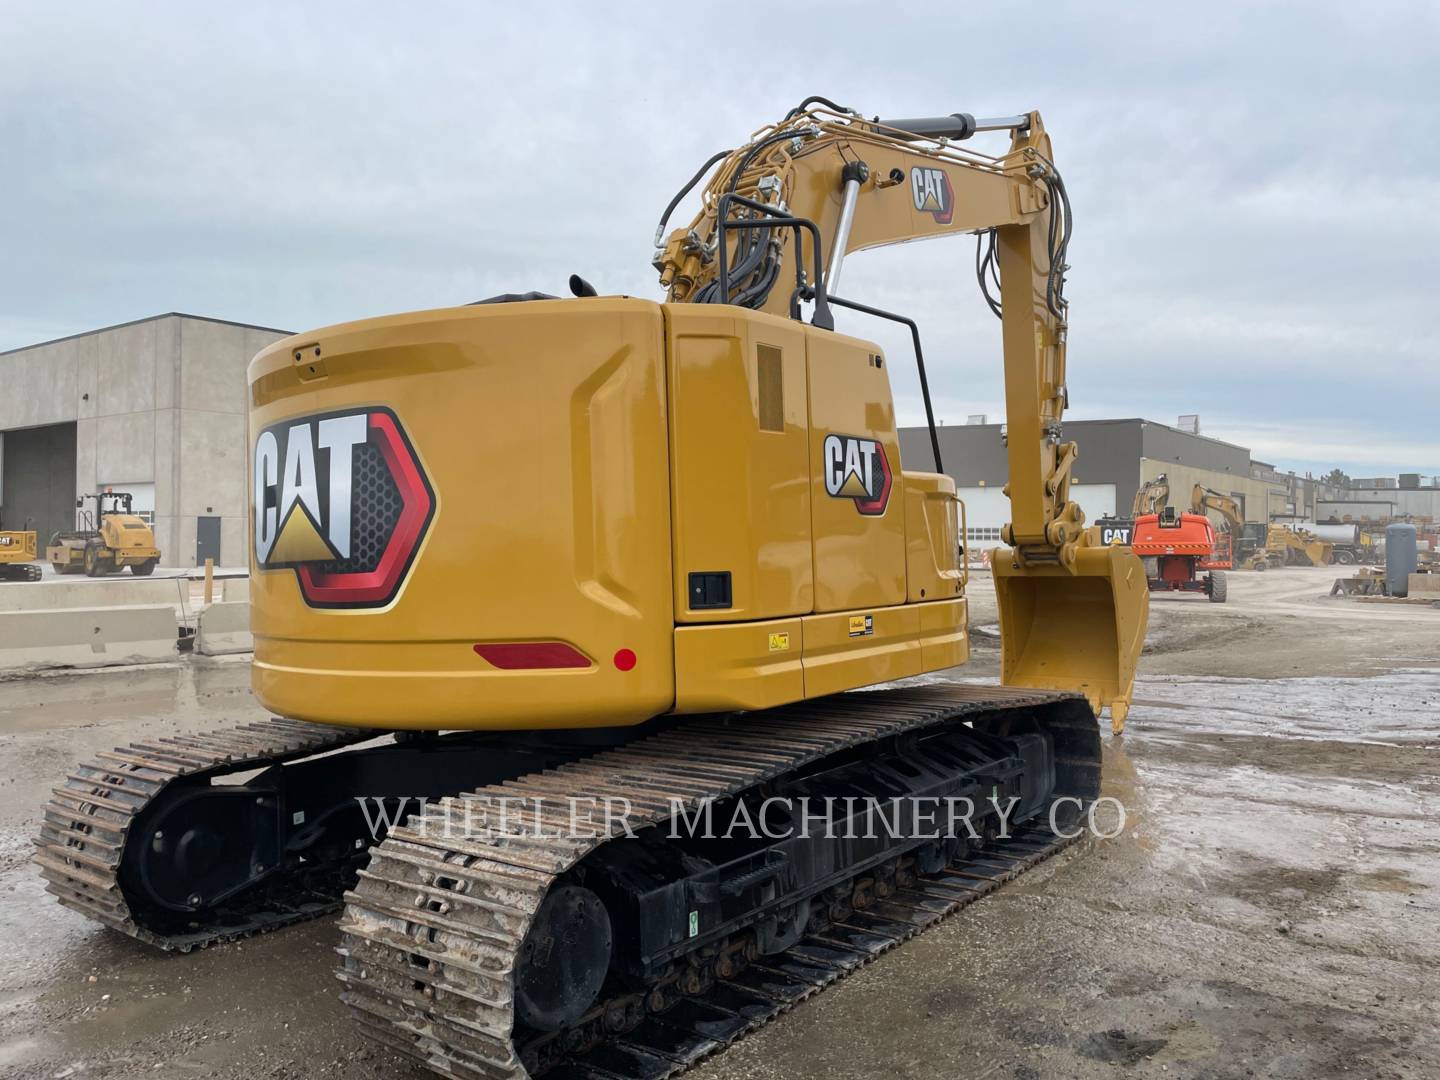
x=1348 y=535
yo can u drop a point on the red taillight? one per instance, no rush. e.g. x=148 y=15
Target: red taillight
x=529 y=655
x=625 y=659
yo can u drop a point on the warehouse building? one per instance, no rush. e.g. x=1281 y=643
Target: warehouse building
x=1379 y=505
x=1114 y=458
x=155 y=407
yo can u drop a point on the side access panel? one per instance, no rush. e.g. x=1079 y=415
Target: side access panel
x=729 y=666
x=932 y=533
x=739 y=465
x=856 y=489
x=944 y=634
x=849 y=649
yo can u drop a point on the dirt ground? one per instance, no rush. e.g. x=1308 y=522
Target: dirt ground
x=1270 y=909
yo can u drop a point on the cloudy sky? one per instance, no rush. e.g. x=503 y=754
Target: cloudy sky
x=1255 y=185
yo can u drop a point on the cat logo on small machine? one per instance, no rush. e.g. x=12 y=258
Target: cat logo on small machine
x=1115 y=533
x=862 y=625
x=857 y=469
x=340 y=499
x=930 y=188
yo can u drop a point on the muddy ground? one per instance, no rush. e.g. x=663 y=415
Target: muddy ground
x=1270 y=910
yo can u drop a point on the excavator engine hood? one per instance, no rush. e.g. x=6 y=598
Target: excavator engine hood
x=461 y=518
x=1078 y=630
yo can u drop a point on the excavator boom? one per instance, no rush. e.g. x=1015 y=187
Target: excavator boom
x=825 y=182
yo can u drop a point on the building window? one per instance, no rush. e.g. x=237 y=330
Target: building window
x=982 y=534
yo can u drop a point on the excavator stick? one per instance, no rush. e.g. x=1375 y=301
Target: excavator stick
x=1079 y=630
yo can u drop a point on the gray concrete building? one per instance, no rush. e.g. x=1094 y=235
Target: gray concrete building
x=155 y=407
x=1114 y=458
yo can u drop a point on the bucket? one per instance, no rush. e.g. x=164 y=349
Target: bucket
x=1079 y=630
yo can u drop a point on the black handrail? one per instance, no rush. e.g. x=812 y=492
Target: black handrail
x=881 y=313
x=822 y=317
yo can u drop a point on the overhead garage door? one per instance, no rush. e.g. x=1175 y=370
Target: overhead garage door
x=37 y=490
x=987 y=509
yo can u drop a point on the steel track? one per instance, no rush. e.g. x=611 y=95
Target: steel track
x=87 y=822
x=433 y=930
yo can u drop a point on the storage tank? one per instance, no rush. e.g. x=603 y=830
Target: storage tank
x=1400 y=558
x=1348 y=535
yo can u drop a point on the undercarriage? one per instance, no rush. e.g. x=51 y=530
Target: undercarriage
x=614 y=901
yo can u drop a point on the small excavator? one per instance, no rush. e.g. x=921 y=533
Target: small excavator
x=601 y=549
x=18 y=554
x=1151 y=497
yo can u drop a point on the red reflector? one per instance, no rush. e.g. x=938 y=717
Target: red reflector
x=523 y=655
x=624 y=659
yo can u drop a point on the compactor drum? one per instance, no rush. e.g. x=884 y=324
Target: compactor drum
x=613 y=569
x=105 y=541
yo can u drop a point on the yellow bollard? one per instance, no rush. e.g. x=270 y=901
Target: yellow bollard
x=209 y=582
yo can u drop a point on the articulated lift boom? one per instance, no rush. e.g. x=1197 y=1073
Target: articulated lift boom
x=600 y=549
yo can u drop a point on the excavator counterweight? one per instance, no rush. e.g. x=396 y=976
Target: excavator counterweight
x=568 y=553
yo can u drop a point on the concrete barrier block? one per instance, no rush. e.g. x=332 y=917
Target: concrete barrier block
x=235 y=589
x=1425 y=583
x=224 y=628
x=81 y=592
x=87 y=637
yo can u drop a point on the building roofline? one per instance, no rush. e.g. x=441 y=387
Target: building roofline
x=1101 y=420
x=148 y=318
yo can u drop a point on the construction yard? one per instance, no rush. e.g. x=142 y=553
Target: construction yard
x=1270 y=908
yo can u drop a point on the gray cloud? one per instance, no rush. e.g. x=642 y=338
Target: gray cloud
x=1253 y=184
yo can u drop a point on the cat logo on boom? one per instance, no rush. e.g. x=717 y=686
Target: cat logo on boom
x=930 y=188
x=857 y=469
x=341 y=499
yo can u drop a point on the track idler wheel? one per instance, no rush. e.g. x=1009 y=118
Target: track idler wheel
x=564 y=960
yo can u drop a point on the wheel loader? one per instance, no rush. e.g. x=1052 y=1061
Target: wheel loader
x=106 y=540
x=517 y=561
x=18 y=552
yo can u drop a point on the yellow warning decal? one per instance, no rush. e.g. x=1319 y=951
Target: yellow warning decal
x=862 y=625
x=779 y=642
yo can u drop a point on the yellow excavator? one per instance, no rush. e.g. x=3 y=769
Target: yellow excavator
x=1151 y=497
x=18 y=552
x=612 y=552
